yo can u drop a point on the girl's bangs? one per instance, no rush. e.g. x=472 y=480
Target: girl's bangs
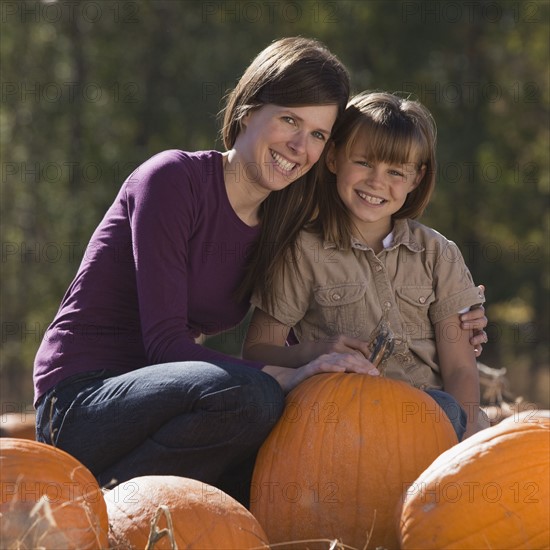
x=394 y=143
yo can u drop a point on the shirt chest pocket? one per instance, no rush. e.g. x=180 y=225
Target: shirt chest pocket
x=414 y=304
x=341 y=309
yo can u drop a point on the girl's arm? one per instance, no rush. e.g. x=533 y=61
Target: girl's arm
x=266 y=337
x=458 y=366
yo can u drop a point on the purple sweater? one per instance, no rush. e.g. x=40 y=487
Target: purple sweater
x=159 y=270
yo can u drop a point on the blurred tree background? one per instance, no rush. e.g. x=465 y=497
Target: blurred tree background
x=90 y=89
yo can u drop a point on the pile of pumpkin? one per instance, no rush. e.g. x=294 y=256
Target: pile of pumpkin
x=367 y=462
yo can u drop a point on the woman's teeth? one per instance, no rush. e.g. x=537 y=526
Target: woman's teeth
x=282 y=162
x=370 y=199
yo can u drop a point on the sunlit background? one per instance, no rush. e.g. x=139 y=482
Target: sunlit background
x=91 y=89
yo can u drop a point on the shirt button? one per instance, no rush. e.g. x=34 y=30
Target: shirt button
x=378 y=268
x=336 y=296
x=422 y=300
x=387 y=304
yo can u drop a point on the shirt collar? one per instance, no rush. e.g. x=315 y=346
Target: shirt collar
x=400 y=235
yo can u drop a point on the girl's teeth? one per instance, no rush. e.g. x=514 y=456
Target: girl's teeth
x=283 y=163
x=370 y=199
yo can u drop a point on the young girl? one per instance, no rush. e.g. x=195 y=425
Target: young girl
x=364 y=256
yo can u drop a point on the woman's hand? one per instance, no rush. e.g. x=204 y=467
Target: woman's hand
x=476 y=321
x=289 y=378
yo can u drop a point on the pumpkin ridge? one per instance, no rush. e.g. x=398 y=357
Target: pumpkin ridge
x=473 y=529
x=330 y=447
x=323 y=444
x=483 y=470
x=361 y=422
x=459 y=453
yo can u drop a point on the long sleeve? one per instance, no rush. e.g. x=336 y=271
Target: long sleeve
x=160 y=269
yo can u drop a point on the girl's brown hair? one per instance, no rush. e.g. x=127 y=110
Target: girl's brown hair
x=399 y=131
x=290 y=72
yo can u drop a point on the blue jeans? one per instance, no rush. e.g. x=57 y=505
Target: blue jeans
x=191 y=419
x=452 y=409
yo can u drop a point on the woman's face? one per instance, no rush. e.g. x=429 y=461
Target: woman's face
x=279 y=144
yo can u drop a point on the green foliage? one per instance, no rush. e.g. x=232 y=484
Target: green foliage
x=91 y=89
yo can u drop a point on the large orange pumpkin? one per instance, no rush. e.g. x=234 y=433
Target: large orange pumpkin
x=181 y=512
x=48 y=499
x=490 y=491
x=336 y=464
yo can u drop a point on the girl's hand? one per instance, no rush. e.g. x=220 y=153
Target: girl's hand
x=476 y=321
x=289 y=378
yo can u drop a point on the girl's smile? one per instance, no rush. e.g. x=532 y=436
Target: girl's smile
x=375 y=201
x=372 y=191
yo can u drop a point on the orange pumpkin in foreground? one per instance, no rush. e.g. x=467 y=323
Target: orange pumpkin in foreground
x=183 y=512
x=48 y=499
x=489 y=491
x=336 y=464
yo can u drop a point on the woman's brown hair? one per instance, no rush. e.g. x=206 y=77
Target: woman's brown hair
x=290 y=72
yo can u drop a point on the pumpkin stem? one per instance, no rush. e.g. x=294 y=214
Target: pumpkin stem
x=155 y=535
x=381 y=343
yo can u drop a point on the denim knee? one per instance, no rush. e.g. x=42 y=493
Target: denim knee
x=54 y=404
x=452 y=409
x=261 y=404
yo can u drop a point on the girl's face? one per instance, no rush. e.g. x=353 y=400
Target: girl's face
x=371 y=191
x=279 y=144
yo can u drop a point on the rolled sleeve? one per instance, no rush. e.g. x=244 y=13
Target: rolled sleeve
x=454 y=283
x=289 y=304
x=456 y=302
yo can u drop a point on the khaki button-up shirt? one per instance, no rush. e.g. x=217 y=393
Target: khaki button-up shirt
x=419 y=279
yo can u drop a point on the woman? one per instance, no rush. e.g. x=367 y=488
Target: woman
x=119 y=381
